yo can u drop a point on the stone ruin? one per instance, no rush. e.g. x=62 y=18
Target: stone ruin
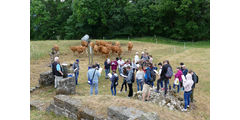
x=172 y=100
x=74 y=109
x=46 y=79
x=67 y=86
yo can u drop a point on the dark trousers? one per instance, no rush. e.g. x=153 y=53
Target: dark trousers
x=166 y=81
x=113 y=89
x=130 y=94
x=124 y=84
x=191 y=96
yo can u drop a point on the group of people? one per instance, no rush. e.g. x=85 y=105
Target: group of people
x=146 y=75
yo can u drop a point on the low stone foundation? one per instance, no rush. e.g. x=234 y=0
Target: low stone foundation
x=67 y=86
x=125 y=113
x=46 y=79
x=72 y=108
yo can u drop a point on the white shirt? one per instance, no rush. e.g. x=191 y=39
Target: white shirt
x=120 y=62
x=160 y=71
x=151 y=59
x=187 y=84
x=140 y=75
x=136 y=58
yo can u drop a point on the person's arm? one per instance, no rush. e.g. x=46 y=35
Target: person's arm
x=59 y=69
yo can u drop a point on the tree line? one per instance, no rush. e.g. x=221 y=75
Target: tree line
x=70 y=19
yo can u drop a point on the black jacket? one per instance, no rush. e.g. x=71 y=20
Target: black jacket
x=164 y=71
x=195 y=79
x=107 y=66
x=54 y=69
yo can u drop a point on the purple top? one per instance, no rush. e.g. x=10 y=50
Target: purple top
x=114 y=65
x=179 y=75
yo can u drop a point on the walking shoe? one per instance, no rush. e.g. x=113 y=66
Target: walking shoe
x=162 y=89
x=157 y=91
x=119 y=91
x=187 y=106
x=184 y=110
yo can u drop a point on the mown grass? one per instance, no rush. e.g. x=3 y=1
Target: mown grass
x=196 y=58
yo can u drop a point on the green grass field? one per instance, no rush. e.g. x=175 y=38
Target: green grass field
x=195 y=55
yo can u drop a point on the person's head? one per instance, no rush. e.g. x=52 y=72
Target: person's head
x=155 y=65
x=133 y=60
x=181 y=63
x=128 y=67
x=140 y=68
x=160 y=64
x=183 y=66
x=117 y=58
x=142 y=53
x=190 y=71
x=56 y=59
x=120 y=58
x=114 y=71
x=94 y=66
x=150 y=56
x=178 y=68
x=165 y=62
x=136 y=53
x=77 y=60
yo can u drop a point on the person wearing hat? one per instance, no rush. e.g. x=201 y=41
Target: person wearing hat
x=142 y=55
x=76 y=70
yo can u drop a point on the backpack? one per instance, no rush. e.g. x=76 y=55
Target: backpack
x=115 y=81
x=196 y=77
x=169 y=72
x=153 y=75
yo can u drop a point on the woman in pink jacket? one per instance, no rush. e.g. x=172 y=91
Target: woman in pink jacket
x=178 y=75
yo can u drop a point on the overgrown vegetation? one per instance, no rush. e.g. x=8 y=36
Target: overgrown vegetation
x=183 y=20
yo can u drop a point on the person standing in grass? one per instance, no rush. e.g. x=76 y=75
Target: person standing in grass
x=76 y=70
x=195 y=80
x=124 y=75
x=136 y=58
x=187 y=84
x=94 y=75
x=184 y=70
x=120 y=65
x=140 y=79
x=147 y=83
x=134 y=66
x=159 y=81
x=130 y=81
x=166 y=74
x=178 y=76
x=114 y=80
x=114 y=64
x=57 y=71
x=107 y=65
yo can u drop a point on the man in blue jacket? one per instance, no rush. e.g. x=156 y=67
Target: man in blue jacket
x=147 y=83
x=93 y=74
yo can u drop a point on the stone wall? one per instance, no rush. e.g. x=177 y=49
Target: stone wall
x=72 y=108
x=125 y=113
x=46 y=79
x=67 y=86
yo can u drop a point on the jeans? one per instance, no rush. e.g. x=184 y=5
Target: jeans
x=130 y=94
x=178 y=86
x=120 y=70
x=76 y=76
x=187 y=98
x=166 y=82
x=124 y=83
x=96 y=88
x=191 y=96
x=139 y=84
x=106 y=72
x=113 y=87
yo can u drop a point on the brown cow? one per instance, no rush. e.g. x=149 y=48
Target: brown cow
x=95 y=48
x=84 y=43
x=130 y=46
x=91 y=44
x=105 y=51
x=73 y=48
x=117 y=43
x=119 y=51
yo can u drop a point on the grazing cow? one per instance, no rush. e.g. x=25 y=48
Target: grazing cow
x=92 y=44
x=130 y=46
x=117 y=43
x=95 y=48
x=73 y=48
x=84 y=43
x=98 y=42
x=105 y=51
x=79 y=49
x=119 y=51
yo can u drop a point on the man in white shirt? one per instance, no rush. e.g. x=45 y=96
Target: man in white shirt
x=159 y=81
x=120 y=65
x=136 y=58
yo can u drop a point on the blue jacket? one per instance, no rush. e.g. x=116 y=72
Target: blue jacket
x=185 y=71
x=96 y=76
x=147 y=76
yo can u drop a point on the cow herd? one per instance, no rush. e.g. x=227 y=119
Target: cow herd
x=101 y=47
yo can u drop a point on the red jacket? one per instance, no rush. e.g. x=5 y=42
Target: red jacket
x=114 y=65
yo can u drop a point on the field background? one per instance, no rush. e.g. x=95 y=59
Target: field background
x=196 y=56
